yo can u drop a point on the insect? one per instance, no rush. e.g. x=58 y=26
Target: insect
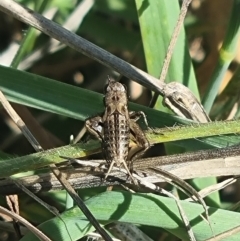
x=116 y=127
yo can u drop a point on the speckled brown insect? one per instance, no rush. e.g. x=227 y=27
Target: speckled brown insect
x=116 y=126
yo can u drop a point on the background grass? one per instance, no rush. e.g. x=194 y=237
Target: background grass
x=61 y=90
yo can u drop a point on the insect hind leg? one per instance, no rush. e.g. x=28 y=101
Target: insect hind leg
x=109 y=170
x=129 y=173
x=123 y=163
x=140 y=139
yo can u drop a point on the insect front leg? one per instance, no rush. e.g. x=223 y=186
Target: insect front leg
x=140 y=139
x=95 y=127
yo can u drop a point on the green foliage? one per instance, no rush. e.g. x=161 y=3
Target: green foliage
x=134 y=208
x=119 y=27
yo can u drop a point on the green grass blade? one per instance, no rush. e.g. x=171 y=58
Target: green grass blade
x=30 y=162
x=162 y=212
x=157 y=21
x=63 y=99
x=28 y=40
x=227 y=53
x=45 y=158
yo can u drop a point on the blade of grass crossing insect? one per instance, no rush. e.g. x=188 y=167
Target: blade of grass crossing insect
x=157 y=21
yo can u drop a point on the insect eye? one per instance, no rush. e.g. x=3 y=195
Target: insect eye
x=107 y=88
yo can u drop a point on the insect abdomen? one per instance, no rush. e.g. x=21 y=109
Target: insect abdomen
x=116 y=138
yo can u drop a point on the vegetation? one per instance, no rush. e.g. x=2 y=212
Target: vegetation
x=55 y=89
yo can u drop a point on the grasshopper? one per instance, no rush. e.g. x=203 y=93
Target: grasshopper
x=116 y=127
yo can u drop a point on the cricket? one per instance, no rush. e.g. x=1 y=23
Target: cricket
x=116 y=127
